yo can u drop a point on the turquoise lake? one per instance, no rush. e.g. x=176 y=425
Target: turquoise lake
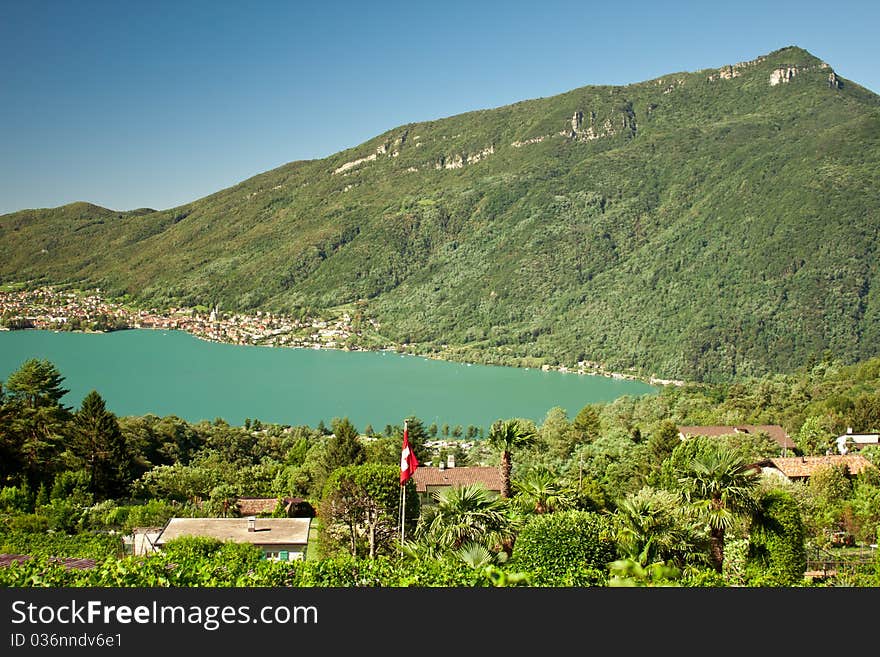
x=173 y=373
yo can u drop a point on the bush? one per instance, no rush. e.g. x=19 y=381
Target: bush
x=569 y=548
x=777 y=555
x=29 y=523
x=191 y=547
x=54 y=544
x=13 y=498
x=64 y=515
x=154 y=513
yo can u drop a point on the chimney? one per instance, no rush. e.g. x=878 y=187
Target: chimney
x=442 y=465
x=849 y=429
x=450 y=460
x=252 y=523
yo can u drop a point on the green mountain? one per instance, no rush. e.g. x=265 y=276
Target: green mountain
x=704 y=225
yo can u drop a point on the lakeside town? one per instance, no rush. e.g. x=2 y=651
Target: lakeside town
x=49 y=308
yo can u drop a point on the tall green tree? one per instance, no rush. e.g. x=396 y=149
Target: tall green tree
x=663 y=440
x=97 y=441
x=37 y=383
x=776 y=549
x=556 y=437
x=418 y=436
x=360 y=509
x=721 y=486
x=8 y=445
x=586 y=424
x=38 y=420
x=344 y=447
x=814 y=437
x=505 y=436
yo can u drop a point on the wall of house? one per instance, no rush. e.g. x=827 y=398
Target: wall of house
x=284 y=552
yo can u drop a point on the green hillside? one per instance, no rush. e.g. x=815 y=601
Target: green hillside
x=703 y=225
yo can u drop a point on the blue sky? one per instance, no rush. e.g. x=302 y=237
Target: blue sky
x=155 y=104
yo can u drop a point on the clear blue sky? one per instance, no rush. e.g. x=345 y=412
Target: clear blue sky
x=155 y=104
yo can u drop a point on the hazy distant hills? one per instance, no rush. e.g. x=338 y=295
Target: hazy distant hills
x=701 y=225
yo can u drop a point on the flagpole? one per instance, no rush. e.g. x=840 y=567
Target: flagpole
x=402 y=500
x=402 y=512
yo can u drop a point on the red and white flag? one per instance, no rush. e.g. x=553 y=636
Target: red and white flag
x=408 y=461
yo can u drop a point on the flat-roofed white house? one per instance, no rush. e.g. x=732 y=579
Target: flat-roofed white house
x=283 y=539
x=853 y=442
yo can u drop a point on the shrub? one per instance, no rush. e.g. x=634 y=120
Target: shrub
x=777 y=555
x=29 y=523
x=13 y=498
x=154 y=513
x=569 y=548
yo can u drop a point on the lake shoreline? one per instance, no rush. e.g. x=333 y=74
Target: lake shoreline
x=171 y=372
x=50 y=308
x=562 y=369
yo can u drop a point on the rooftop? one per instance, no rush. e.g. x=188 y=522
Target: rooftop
x=775 y=431
x=490 y=477
x=799 y=467
x=268 y=531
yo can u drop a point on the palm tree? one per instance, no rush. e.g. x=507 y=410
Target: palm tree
x=721 y=485
x=653 y=527
x=475 y=555
x=505 y=435
x=462 y=515
x=541 y=492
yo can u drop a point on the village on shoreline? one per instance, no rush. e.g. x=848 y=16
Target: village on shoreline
x=50 y=308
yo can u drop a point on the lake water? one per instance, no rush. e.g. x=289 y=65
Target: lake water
x=173 y=373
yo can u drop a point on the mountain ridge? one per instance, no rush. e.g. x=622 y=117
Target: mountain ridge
x=546 y=230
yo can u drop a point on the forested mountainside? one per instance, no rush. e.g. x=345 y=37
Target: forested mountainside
x=704 y=225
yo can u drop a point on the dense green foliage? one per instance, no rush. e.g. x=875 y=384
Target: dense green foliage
x=697 y=226
x=360 y=509
x=615 y=471
x=85 y=545
x=776 y=540
x=574 y=547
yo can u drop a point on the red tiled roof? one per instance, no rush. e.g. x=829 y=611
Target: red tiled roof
x=776 y=432
x=798 y=467
x=488 y=476
x=7 y=559
x=252 y=506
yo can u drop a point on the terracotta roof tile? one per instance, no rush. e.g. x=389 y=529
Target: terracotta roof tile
x=252 y=506
x=775 y=431
x=488 y=476
x=798 y=467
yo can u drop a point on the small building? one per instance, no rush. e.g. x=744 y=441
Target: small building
x=853 y=442
x=801 y=468
x=283 y=539
x=142 y=540
x=429 y=480
x=776 y=432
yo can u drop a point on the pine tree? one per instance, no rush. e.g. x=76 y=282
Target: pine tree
x=344 y=447
x=98 y=442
